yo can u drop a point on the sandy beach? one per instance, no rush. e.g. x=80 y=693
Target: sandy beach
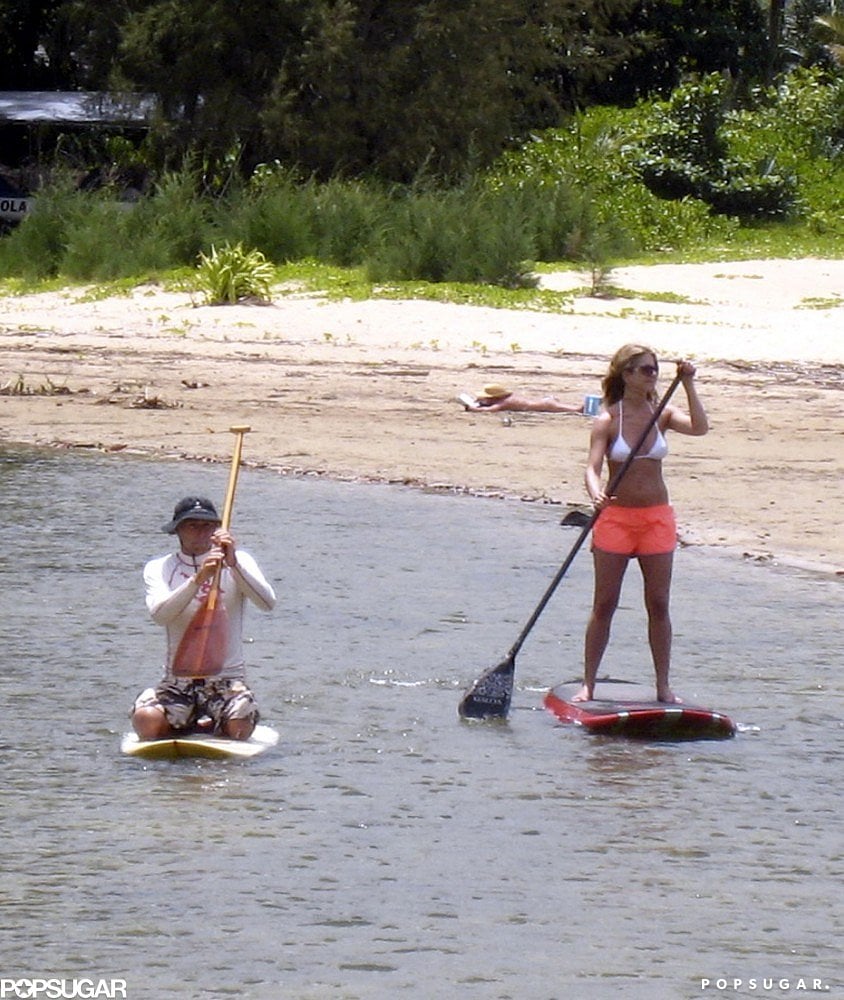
x=366 y=390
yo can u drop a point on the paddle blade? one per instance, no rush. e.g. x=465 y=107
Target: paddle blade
x=489 y=697
x=202 y=650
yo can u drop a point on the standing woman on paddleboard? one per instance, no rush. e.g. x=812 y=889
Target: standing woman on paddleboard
x=204 y=675
x=637 y=521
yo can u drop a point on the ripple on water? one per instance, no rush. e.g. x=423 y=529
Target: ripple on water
x=385 y=848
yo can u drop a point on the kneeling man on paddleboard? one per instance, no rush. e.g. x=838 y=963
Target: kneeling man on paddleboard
x=199 y=595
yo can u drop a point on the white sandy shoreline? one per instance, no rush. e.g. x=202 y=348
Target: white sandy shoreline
x=365 y=390
x=729 y=312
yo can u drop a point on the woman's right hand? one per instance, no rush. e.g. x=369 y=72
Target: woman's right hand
x=601 y=500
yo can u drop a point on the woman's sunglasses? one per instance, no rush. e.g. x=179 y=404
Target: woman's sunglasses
x=648 y=370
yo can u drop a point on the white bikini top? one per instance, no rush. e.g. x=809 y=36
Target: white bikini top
x=620 y=449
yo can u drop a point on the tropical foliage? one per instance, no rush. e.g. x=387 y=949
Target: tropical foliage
x=230 y=274
x=383 y=88
x=461 y=141
x=583 y=193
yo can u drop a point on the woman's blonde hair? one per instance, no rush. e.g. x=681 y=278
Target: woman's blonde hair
x=613 y=382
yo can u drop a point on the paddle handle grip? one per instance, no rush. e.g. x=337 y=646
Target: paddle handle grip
x=238 y=430
x=228 y=505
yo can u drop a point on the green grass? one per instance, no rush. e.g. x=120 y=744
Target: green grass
x=353 y=283
x=775 y=240
x=685 y=179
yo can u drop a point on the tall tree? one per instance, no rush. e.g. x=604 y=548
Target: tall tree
x=211 y=64
x=686 y=38
x=403 y=87
x=394 y=87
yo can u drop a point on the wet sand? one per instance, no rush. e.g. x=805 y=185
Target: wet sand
x=366 y=390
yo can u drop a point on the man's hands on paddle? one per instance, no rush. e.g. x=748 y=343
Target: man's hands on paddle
x=222 y=554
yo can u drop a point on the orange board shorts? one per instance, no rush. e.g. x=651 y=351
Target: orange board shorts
x=636 y=531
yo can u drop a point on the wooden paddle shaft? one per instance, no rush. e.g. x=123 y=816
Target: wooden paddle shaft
x=200 y=627
x=238 y=430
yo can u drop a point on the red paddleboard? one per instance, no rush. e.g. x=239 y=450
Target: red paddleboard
x=620 y=708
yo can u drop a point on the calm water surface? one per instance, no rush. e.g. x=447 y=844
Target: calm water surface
x=385 y=849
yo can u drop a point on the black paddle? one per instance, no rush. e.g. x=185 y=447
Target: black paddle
x=489 y=696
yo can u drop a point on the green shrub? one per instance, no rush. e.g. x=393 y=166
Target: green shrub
x=232 y=274
x=293 y=219
x=688 y=155
x=270 y=215
x=182 y=222
x=35 y=248
x=468 y=234
x=653 y=224
x=586 y=189
x=100 y=247
x=680 y=175
x=345 y=217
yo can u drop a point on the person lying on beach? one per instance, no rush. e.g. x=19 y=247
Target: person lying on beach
x=494 y=398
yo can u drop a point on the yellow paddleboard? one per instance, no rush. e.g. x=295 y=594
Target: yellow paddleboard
x=199 y=745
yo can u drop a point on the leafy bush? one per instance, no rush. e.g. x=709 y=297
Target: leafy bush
x=345 y=217
x=678 y=175
x=93 y=236
x=232 y=274
x=108 y=245
x=182 y=222
x=270 y=215
x=291 y=219
x=35 y=248
x=468 y=234
x=588 y=190
x=687 y=155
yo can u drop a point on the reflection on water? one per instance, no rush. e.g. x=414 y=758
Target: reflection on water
x=387 y=849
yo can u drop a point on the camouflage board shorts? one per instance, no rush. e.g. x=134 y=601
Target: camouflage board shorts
x=186 y=701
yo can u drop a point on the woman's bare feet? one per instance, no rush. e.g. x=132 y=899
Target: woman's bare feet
x=668 y=697
x=584 y=694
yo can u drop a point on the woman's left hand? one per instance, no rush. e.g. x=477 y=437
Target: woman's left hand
x=686 y=370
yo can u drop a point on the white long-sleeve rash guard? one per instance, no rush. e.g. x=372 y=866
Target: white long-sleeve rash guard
x=173 y=598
